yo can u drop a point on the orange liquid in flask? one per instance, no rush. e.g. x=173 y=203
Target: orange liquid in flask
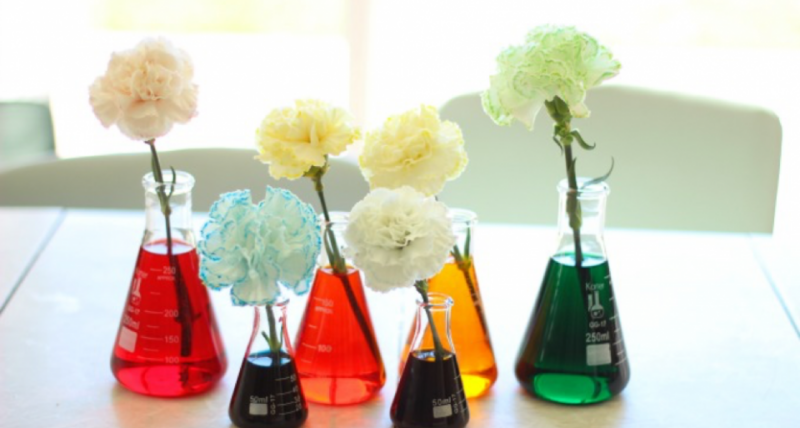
x=165 y=348
x=470 y=337
x=335 y=360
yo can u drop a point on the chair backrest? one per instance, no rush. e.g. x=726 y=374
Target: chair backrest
x=680 y=162
x=26 y=132
x=114 y=181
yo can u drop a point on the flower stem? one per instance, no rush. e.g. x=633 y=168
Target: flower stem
x=438 y=349
x=339 y=267
x=464 y=264
x=572 y=204
x=272 y=340
x=184 y=317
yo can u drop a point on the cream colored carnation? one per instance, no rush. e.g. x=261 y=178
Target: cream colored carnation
x=146 y=90
x=294 y=139
x=553 y=61
x=397 y=237
x=414 y=149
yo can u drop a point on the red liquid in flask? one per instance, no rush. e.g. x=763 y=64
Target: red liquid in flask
x=336 y=363
x=162 y=350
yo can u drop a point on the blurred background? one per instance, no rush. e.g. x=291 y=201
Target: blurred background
x=380 y=57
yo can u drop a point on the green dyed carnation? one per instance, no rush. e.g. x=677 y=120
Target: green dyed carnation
x=553 y=61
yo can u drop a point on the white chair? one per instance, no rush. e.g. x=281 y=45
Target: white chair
x=114 y=181
x=681 y=162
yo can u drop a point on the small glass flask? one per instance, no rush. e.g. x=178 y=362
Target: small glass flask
x=268 y=392
x=430 y=392
x=168 y=343
x=470 y=332
x=573 y=351
x=338 y=358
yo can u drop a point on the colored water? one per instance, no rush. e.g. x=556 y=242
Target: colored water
x=430 y=393
x=573 y=351
x=166 y=348
x=268 y=394
x=470 y=336
x=336 y=362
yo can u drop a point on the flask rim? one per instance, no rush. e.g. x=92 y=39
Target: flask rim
x=436 y=301
x=184 y=181
x=280 y=302
x=462 y=216
x=594 y=190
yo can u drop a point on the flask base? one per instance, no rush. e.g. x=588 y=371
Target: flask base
x=341 y=390
x=168 y=380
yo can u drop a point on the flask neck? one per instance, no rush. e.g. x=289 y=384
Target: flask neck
x=333 y=236
x=180 y=206
x=270 y=334
x=592 y=212
x=432 y=322
x=464 y=222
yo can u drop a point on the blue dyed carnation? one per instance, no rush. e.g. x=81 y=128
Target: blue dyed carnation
x=252 y=248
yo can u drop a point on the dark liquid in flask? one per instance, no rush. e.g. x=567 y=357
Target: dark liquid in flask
x=573 y=351
x=336 y=363
x=430 y=393
x=158 y=352
x=268 y=394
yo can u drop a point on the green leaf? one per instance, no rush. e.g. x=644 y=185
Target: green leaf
x=599 y=179
x=581 y=141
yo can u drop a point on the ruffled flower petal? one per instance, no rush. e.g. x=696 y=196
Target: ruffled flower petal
x=294 y=139
x=146 y=90
x=553 y=62
x=253 y=248
x=414 y=149
x=397 y=237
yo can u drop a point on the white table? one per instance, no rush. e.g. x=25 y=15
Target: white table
x=708 y=339
x=23 y=234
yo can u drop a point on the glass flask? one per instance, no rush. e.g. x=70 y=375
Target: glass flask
x=470 y=332
x=338 y=358
x=430 y=392
x=168 y=343
x=573 y=351
x=268 y=391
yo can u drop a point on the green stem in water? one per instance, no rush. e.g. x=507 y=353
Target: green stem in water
x=573 y=206
x=438 y=351
x=273 y=338
x=339 y=266
x=464 y=263
x=184 y=317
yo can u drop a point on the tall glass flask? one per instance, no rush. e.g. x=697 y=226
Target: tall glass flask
x=470 y=331
x=168 y=343
x=338 y=359
x=430 y=392
x=268 y=392
x=573 y=351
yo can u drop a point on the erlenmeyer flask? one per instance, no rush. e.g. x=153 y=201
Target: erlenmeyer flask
x=573 y=351
x=268 y=391
x=430 y=392
x=337 y=355
x=168 y=344
x=470 y=332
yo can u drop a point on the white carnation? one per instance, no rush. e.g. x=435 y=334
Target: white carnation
x=146 y=90
x=397 y=237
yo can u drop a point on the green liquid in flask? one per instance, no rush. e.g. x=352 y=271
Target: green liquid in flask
x=573 y=351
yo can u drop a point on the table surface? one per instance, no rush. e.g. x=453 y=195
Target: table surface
x=705 y=317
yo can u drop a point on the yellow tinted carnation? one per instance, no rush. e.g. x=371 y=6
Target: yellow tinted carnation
x=294 y=139
x=414 y=149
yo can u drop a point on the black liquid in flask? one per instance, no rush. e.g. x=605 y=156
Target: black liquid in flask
x=268 y=393
x=430 y=393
